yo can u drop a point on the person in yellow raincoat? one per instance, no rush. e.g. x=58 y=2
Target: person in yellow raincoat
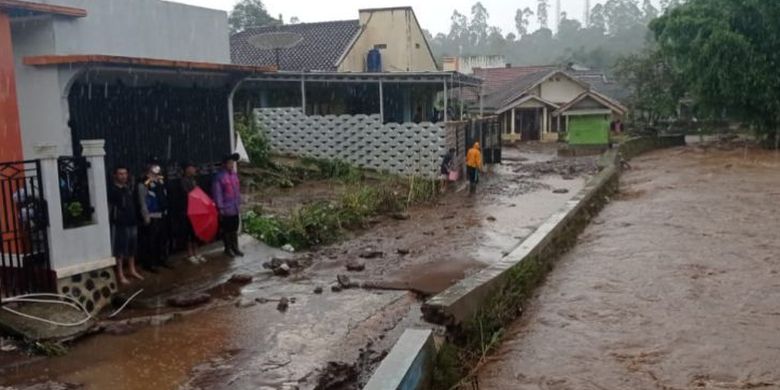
x=473 y=166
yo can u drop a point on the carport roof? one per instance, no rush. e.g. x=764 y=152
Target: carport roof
x=25 y=8
x=109 y=60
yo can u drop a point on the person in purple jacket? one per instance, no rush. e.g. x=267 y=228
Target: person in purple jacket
x=227 y=195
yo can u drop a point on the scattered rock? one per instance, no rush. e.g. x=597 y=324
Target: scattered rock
x=189 y=300
x=335 y=288
x=344 y=281
x=318 y=290
x=356 y=265
x=560 y=191
x=261 y=300
x=399 y=237
x=429 y=233
x=240 y=279
x=246 y=302
x=288 y=248
x=293 y=263
x=282 y=270
x=372 y=254
x=402 y=251
x=512 y=205
x=491 y=219
x=283 y=304
x=400 y=216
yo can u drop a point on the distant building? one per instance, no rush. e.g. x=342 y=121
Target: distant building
x=467 y=65
x=339 y=46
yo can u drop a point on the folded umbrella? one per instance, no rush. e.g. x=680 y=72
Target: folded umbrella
x=202 y=212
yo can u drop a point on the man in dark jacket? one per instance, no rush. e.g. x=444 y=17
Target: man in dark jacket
x=124 y=224
x=153 y=208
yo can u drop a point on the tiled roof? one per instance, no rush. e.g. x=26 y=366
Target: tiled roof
x=322 y=46
x=496 y=78
x=515 y=88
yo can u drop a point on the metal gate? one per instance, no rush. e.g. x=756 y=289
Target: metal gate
x=24 y=252
x=487 y=132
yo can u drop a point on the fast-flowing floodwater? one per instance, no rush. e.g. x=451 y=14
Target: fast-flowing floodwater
x=676 y=285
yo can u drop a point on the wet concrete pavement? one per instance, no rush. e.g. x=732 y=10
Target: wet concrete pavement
x=328 y=340
x=674 y=286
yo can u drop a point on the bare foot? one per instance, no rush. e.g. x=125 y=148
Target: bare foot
x=136 y=275
x=124 y=281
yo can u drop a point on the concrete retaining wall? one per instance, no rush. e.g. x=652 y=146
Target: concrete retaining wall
x=408 y=149
x=409 y=364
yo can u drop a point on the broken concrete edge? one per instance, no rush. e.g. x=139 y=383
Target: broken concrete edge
x=409 y=365
x=469 y=300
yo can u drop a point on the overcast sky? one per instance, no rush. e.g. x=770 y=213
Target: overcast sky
x=434 y=15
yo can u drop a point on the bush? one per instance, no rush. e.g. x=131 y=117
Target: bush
x=335 y=169
x=254 y=139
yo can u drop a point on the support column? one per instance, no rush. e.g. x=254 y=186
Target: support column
x=303 y=94
x=512 y=126
x=381 y=102
x=445 y=100
x=48 y=154
x=544 y=129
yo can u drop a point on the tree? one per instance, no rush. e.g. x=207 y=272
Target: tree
x=541 y=12
x=295 y=20
x=727 y=52
x=479 y=28
x=249 y=13
x=655 y=88
x=522 y=20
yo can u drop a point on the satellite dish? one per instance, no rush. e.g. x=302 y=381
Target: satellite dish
x=275 y=40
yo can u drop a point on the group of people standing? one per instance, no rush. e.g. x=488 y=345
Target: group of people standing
x=449 y=170
x=141 y=221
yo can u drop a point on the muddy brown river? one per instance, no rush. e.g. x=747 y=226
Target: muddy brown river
x=676 y=285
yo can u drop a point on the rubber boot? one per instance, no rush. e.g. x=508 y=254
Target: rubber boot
x=234 y=241
x=227 y=241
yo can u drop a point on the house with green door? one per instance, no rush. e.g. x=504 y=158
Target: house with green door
x=553 y=104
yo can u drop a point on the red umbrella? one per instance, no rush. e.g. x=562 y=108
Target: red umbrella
x=203 y=214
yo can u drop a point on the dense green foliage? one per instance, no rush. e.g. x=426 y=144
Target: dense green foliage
x=655 y=86
x=255 y=141
x=249 y=13
x=726 y=53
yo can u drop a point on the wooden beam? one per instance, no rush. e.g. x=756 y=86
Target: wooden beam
x=43 y=8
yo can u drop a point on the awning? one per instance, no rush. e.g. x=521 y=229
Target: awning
x=454 y=79
x=108 y=60
x=19 y=8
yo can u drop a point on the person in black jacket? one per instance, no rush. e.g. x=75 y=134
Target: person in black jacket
x=124 y=224
x=153 y=209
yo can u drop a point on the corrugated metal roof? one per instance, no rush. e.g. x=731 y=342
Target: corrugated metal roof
x=321 y=47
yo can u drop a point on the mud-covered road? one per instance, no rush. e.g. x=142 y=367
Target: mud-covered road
x=327 y=340
x=676 y=285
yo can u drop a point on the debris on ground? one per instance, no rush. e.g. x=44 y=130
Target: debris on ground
x=402 y=251
x=371 y=254
x=282 y=267
x=400 y=216
x=288 y=248
x=245 y=302
x=491 y=218
x=335 y=288
x=356 y=265
x=119 y=328
x=283 y=304
x=318 y=290
x=240 y=279
x=560 y=191
x=345 y=282
x=189 y=300
x=564 y=167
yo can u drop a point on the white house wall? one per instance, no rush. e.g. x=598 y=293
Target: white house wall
x=559 y=89
x=144 y=28
x=398 y=29
x=406 y=149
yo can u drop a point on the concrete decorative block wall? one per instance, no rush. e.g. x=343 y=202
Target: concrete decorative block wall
x=407 y=149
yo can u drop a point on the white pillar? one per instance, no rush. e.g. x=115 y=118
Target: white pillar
x=512 y=125
x=50 y=178
x=303 y=94
x=93 y=150
x=544 y=129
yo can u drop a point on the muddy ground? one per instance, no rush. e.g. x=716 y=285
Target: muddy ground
x=674 y=285
x=327 y=340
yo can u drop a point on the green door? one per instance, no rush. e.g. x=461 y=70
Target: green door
x=588 y=130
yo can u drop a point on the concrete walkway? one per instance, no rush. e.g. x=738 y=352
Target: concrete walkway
x=674 y=286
